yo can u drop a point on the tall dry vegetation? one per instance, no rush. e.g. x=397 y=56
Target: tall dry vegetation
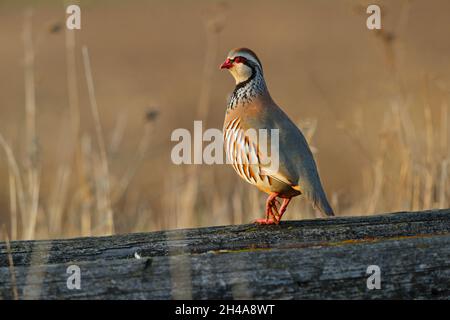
x=85 y=191
x=409 y=169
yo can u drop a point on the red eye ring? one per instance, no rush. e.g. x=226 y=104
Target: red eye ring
x=239 y=60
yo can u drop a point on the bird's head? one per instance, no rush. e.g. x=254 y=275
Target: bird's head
x=243 y=64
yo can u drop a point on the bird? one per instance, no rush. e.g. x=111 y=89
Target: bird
x=250 y=106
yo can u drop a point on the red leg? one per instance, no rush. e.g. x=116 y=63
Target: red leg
x=270 y=216
x=283 y=208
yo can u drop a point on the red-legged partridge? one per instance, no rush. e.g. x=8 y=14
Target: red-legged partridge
x=251 y=107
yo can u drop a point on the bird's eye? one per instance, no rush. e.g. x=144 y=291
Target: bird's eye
x=239 y=59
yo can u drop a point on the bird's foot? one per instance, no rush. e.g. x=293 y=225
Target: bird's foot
x=266 y=221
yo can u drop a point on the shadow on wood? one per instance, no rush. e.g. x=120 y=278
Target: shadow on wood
x=310 y=259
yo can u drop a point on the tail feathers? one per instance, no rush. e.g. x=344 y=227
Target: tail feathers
x=319 y=201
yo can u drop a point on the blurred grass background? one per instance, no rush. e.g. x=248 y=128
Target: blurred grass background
x=86 y=116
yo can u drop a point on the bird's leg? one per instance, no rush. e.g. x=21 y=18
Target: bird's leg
x=283 y=208
x=270 y=204
x=274 y=206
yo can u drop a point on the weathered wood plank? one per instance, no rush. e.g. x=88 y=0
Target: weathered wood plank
x=298 y=259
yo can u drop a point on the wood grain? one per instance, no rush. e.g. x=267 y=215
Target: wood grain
x=309 y=259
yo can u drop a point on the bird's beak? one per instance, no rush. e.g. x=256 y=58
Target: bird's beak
x=227 y=64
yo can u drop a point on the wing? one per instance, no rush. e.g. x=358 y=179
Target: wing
x=298 y=160
x=296 y=166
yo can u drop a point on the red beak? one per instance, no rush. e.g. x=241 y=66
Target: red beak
x=227 y=64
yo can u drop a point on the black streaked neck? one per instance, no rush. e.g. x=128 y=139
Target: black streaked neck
x=247 y=90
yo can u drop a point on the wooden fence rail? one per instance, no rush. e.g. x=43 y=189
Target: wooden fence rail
x=310 y=259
